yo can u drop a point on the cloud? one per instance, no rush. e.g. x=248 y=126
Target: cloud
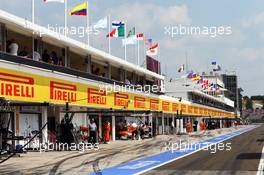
x=251 y=54
x=148 y=17
x=253 y=21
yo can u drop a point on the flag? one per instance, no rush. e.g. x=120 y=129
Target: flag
x=117 y=32
x=181 y=69
x=132 y=40
x=112 y=33
x=153 y=50
x=101 y=24
x=79 y=10
x=214 y=87
x=205 y=84
x=140 y=36
x=196 y=77
x=216 y=67
x=60 y=1
x=131 y=32
x=116 y=24
x=200 y=80
x=191 y=75
x=148 y=42
x=118 y=29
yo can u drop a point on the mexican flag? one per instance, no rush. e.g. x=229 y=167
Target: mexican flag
x=118 y=29
x=117 y=32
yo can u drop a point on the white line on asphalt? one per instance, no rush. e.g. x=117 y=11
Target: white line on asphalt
x=261 y=163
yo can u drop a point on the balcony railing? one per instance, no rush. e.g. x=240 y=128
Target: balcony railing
x=61 y=69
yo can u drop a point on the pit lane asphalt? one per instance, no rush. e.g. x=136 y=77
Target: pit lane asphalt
x=243 y=158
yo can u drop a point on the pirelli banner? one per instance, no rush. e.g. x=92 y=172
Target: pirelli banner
x=21 y=86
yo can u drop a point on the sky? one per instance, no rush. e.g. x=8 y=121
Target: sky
x=241 y=51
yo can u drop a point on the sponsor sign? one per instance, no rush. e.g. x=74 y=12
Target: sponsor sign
x=27 y=87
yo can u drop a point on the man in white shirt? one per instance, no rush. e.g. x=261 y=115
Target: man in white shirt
x=13 y=48
x=93 y=130
x=36 y=56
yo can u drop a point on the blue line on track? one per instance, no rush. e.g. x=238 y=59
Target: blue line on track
x=154 y=161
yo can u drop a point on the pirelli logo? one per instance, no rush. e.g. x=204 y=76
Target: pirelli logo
x=165 y=106
x=195 y=109
x=62 y=91
x=175 y=107
x=16 y=86
x=201 y=111
x=96 y=96
x=154 y=104
x=121 y=99
x=139 y=102
x=190 y=109
x=183 y=108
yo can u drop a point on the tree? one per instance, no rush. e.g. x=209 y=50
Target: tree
x=248 y=102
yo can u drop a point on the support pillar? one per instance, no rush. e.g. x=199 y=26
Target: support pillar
x=181 y=126
x=2 y=37
x=108 y=71
x=67 y=57
x=198 y=124
x=44 y=116
x=113 y=128
x=163 y=124
x=173 y=121
x=100 y=125
x=88 y=61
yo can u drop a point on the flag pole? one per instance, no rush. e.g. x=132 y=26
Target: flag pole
x=65 y=17
x=125 y=38
x=138 y=51
x=109 y=30
x=33 y=22
x=88 y=23
x=186 y=62
x=135 y=51
x=144 y=50
x=65 y=29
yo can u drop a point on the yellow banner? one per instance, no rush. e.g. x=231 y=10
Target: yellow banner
x=20 y=86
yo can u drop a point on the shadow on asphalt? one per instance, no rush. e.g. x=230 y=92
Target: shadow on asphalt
x=249 y=156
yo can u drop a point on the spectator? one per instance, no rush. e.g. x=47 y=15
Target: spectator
x=46 y=57
x=93 y=129
x=37 y=56
x=61 y=63
x=54 y=58
x=97 y=71
x=127 y=81
x=24 y=52
x=13 y=48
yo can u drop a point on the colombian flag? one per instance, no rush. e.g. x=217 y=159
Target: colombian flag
x=80 y=10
